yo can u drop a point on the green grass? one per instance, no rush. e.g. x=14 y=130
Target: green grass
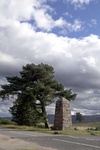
x=78 y=129
x=93 y=132
x=93 y=124
x=27 y=128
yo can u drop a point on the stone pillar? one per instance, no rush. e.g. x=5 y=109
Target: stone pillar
x=62 y=120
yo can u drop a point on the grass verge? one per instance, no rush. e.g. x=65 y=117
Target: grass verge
x=78 y=129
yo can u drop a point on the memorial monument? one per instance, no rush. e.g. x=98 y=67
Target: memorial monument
x=62 y=120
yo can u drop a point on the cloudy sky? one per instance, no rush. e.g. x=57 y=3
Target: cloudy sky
x=61 y=33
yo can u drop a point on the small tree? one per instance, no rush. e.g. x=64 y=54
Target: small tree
x=79 y=117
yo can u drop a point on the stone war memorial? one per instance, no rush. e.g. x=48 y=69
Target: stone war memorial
x=62 y=120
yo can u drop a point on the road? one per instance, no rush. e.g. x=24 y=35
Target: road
x=57 y=141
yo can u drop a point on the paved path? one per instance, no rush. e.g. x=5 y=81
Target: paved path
x=60 y=142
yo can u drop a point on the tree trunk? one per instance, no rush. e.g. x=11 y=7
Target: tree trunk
x=45 y=119
x=46 y=123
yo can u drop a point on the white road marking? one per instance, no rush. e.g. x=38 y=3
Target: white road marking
x=91 y=139
x=93 y=146
x=73 y=136
x=83 y=138
x=23 y=133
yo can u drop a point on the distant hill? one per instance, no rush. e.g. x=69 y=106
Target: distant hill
x=87 y=119
x=51 y=118
x=8 y=118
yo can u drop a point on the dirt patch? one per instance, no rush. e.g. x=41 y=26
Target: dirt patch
x=8 y=143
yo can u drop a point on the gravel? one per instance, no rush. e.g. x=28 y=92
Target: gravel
x=8 y=143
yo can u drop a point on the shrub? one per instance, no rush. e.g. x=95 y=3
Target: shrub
x=5 y=121
x=97 y=128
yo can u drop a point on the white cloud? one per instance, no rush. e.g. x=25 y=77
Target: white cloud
x=89 y=104
x=68 y=14
x=4 y=108
x=94 y=21
x=24 y=45
x=37 y=12
x=79 y=3
x=51 y=109
x=43 y=20
x=20 y=10
x=90 y=61
x=76 y=61
x=76 y=26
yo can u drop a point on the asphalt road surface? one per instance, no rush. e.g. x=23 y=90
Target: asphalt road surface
x=57 y=141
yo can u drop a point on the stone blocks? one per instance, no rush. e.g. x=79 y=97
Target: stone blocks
x=62 y=120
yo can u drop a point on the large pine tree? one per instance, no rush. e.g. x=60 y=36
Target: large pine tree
x=36 y=88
